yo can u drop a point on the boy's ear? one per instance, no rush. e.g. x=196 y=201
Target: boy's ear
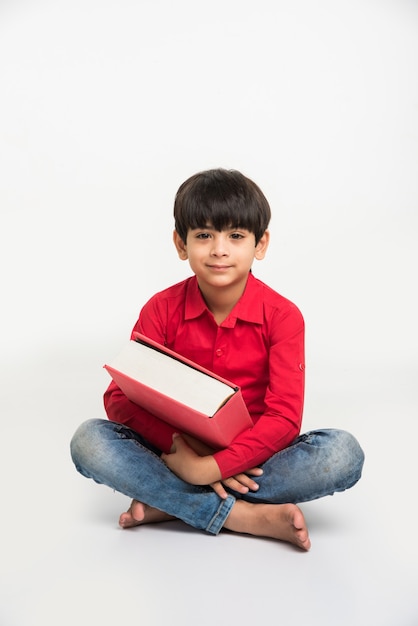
x=261 y=247
x=180 y=246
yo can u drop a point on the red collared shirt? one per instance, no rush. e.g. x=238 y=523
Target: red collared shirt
x=259 y=346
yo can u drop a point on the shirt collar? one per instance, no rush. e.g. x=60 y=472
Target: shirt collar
x=249 y=307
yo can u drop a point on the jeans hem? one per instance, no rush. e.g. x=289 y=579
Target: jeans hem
x=218 y=520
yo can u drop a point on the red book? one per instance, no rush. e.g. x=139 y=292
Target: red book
x=182 y=393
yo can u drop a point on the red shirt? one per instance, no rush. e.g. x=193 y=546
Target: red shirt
x=259 y=346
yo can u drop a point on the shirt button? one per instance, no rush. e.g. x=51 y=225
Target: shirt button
x=219 y=352
x=302 y=367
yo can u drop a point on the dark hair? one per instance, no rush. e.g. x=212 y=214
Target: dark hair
x=223 y=199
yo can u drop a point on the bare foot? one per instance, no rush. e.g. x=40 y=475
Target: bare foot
x=140 y=513
x=278 y=521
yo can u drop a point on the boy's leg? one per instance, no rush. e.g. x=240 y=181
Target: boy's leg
x=114 y=455
x=317 y=464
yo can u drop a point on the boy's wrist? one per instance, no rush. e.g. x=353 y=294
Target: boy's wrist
x=205 y=471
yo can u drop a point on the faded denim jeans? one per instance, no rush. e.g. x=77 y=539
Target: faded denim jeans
x=316 y=464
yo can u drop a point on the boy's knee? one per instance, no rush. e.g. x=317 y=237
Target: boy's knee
x=349 y=454
x=84 y=441
x=353 y=448
x=343 y=453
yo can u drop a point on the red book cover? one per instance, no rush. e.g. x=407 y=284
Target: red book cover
x=217 y=430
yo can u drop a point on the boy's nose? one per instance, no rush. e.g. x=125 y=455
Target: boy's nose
x=219 y=247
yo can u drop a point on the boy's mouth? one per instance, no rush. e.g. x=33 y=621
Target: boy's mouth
x=219 y=267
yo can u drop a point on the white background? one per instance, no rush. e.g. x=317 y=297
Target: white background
x=105 y=109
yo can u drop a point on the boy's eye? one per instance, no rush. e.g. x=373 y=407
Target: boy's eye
x=203 y=235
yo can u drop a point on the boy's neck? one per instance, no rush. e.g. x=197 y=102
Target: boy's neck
x=221 y=301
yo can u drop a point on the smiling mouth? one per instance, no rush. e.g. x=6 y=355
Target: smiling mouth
x=219 y=267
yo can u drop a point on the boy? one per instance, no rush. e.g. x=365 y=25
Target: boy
x=228 y=321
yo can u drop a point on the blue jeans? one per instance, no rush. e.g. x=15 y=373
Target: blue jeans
x=317 y=464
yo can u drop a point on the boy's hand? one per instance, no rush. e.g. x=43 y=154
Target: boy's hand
x=243 y=483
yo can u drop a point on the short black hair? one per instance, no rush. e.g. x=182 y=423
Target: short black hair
x=222 y=198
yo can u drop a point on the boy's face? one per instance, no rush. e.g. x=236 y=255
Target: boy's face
x=221 y=258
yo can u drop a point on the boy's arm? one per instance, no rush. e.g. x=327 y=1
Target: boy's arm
x=280 y=423
x=189 y=465
x=187 y=459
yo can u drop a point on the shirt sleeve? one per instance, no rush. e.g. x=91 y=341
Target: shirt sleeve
x=281 y=420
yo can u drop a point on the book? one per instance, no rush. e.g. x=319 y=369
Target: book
x=187 y=396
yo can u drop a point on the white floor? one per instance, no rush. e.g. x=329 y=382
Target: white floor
x=65 y=561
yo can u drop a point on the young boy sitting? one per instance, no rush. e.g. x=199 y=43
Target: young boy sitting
x=231 y=323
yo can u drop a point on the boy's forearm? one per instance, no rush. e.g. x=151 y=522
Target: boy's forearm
x=189 y=466
x=202 y=470
x=205 y=471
